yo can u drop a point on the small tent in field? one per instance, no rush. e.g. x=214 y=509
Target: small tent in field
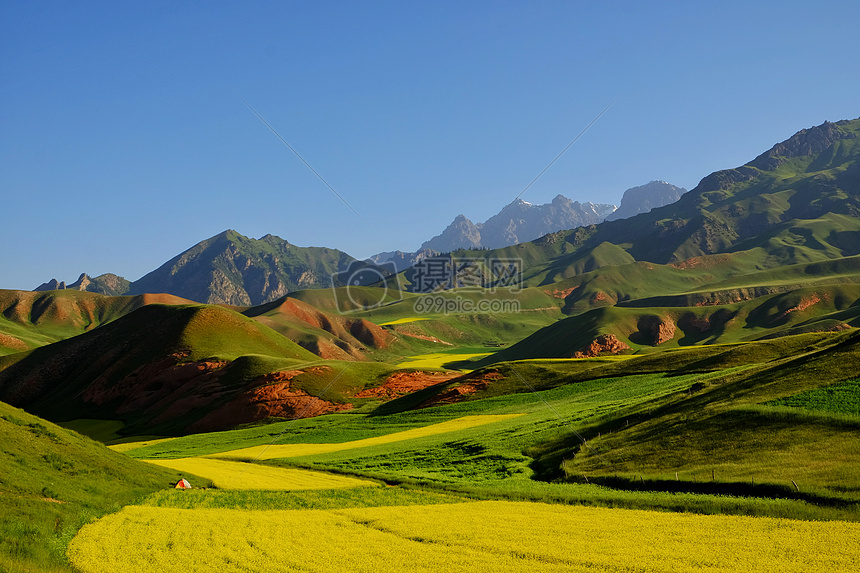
x=183 y=484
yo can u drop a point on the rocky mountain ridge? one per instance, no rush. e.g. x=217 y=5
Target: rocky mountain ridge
x=107 y=284
x=518 y=222
x=521 y=222
x=232 y=269
x=228 y=268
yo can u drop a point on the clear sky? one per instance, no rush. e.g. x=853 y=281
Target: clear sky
x=123 y=141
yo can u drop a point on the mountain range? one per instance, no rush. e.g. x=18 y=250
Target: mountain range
x=520 y=222
x=765 y=249
x=768 y=249
x=228 y=268
x=233 y=269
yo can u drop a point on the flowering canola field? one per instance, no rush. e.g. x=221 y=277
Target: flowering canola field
x=128 y=446
x=438 y=359
x=238 y=475
x=295 y=450
x=485 y=536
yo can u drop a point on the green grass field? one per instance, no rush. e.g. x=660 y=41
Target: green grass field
x=655 y=426
x=840 y=398
x=54 y=481
x=711 y=430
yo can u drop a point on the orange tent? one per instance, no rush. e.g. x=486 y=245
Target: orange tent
x=183 y=484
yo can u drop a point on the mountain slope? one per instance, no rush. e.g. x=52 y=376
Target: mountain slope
x=230 y=268
x=785 y=222
x=327 y=335
x=31 y=319
x=782 y=208
x=53 y=482
x=800 y=201
x=164 y=366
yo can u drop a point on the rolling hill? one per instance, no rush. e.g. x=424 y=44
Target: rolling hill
x=171 y=369
x=55 y=480
x=32 y=319
x=327 y=335
x=159 y=365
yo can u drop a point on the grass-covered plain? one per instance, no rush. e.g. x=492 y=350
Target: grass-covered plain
x=840 y=398
x=648 y=431
x=273 y=451
x=227 y=474
x=337 y=498
x=477 y=536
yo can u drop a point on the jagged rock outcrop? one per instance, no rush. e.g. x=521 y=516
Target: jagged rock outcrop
x=107 y=284
x=52 y=284
x=518 y=222
x=603 y=344
x=655 y=330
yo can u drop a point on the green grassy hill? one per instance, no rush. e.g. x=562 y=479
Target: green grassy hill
x=157 y=367
x=32 y=319
x=756 y=424
x=170 y=370
x=54 y=481
x=326 y=334
x=642 y=328
x=795 y=204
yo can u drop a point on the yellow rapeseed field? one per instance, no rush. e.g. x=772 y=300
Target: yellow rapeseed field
x=403 y=320
x=483 y=537
x=128 y=446
x=438 y=359
x=296 y=450
x=239 y=475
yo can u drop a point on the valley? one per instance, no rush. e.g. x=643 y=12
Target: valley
x=680 y=383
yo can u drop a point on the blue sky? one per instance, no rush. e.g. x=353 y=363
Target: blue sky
x=123 y=141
